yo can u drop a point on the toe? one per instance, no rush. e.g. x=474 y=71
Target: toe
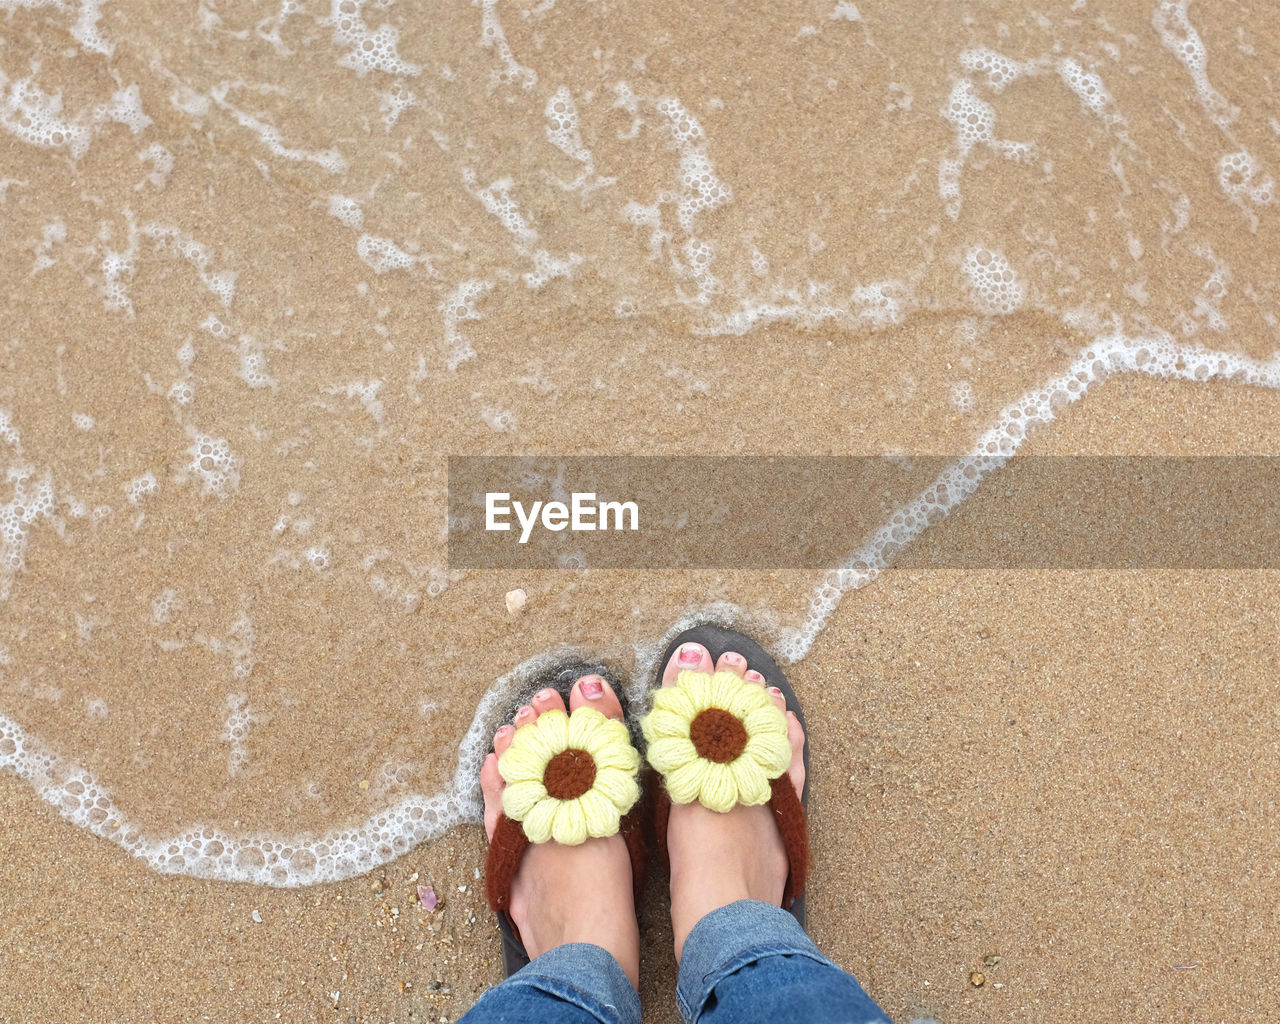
x=795 y=737
x=777 y=696
x=525 y=715
x=594 y=691
x=491 y=786
x=502 y=739
x=686 y=656
x=547 y=700
x=732 y=661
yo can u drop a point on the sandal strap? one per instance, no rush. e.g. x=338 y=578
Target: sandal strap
x=503 y=860
x=793 y=824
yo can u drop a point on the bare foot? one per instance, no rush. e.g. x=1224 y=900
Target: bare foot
x=717 y=859
x=563 y=894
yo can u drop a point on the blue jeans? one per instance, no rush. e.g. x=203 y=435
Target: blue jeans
x=744 y=962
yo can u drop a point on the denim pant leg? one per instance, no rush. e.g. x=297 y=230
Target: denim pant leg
x=574 y=984
x=751 y=961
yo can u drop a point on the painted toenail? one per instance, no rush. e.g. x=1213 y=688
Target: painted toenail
x=775 y=691
x=755 y=676
x=690 y=654
x=545 y=694
x=592 y=687
x=734 y=659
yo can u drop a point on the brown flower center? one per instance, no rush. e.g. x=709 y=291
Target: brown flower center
x=718 y=735
x=569 y=774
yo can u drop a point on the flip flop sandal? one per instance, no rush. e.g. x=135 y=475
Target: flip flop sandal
x=721 y=741
x=570 y=777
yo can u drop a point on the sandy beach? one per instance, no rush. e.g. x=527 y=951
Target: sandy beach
x=267 y=266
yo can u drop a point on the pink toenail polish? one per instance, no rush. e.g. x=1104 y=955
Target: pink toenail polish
x=775 y=691
x=733 y=659
x=690 y=655
x=591 y=688
x=545 y=694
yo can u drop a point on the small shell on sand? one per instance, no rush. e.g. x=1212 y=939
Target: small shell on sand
x=515 y=601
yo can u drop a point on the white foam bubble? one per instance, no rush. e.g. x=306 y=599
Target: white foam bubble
x=1206 y=305
x=82 y=420
x=497 y=199
x=240 y=719
x=330 y=160
x=1087 y=85
x=125 y=108
x=253 y=363
x=876 y=305
x=393 y=102
x=1000 y=71
x=1242 y=181
x=238 y=645
x=493 y=38
x=140 y=487
x=1182 y=40
x=993 y=285
x=366 y=392
x=648 y=217
x=117 y=271
x=700 y=189
x=182 y=393
x=563 y=133
x=367 y=49
x=269 y=28
x=457 y=308
x=53 y=233
x=974 y=121
x=547 y=268
x=36 y=117
x=164 y=605
x=699 y=255
x=171 y=242
x=8 y=432
x=216 y=327
x=346 y=210
x=31 y=502
x=214 y=464
x=629 y=102
x=85 y=31
x=882 y=303
x=498 y=418
x=383 y=255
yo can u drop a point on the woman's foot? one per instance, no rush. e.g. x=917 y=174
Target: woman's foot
x=717 y=859
x=563 y=894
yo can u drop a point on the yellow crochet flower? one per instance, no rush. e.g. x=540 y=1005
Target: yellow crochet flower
x=569 y=777
x=716 y=739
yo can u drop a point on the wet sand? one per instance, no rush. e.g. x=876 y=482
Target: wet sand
x=1069 y=771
